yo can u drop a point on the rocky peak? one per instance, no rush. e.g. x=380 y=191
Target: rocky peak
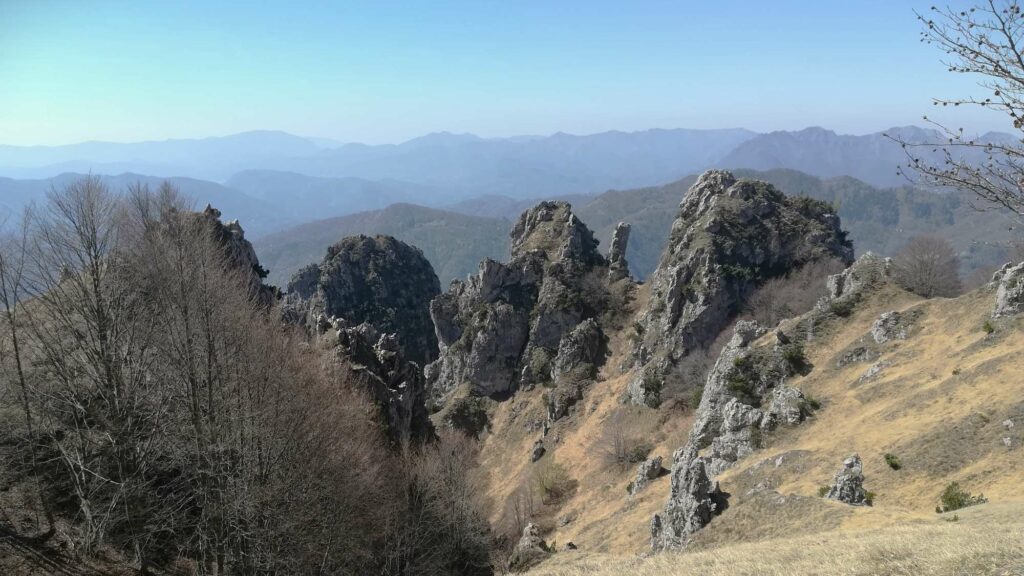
x=552 y=229
x=379 y=280
x=240 y=253
x=730 y=236
x=513 y=324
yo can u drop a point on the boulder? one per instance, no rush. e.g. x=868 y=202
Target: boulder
x=848 y=484
x=538 y=450
x=730 y=236
x=647 y=470
x=889 y=326
x=1009 y=290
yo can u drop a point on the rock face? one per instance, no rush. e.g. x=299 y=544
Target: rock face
x=618 y=267
x=377 y=280
x=524 y=322
x=729 y=237
x=395 y=384
x=1010 y=290
x=848 y=484
x=529 y=551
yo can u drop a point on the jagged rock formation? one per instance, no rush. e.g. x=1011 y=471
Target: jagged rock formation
x=618 y=267
x=529 y=551
x=729 y=237
x=524 y=322
x=647 y=470
x=395 y=384
x=377 y=280
x=1010 y=290
x=745 y=397
x=848 y=484
x=694 y=500
x=240 y=254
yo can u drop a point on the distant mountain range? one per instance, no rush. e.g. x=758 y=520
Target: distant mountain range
x=455 y=167
x=879 y=220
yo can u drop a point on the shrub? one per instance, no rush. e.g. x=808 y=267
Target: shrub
x=554 y=482
x=954 y=498
x=823 y=491
x=841 y=308
x=893 y=461
x=742 y=380
x=869 y=498
x=987 y=327
x=638 y=453
x=794 y=356
x=811 y=402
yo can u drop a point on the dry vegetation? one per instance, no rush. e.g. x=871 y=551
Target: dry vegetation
x=157 y=416
x=984 y=541
x=938 y=407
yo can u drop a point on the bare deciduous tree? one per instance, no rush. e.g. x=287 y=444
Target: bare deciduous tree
x=928 y=266
x=986 y=39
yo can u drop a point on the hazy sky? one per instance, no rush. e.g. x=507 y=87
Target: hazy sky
x=387 y=71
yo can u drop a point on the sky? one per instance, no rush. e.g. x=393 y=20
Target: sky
x=376 y=72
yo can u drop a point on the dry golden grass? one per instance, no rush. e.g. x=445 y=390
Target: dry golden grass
x=938 y=405
x=987 y=540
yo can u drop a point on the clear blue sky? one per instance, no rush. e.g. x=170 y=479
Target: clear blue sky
x=388 y=71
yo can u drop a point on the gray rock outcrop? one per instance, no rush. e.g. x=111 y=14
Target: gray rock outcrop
x=848 y=483
x=694 y=500
x=618 y=267
x=888 y=326
x=745 y=397
x=1009 y=290
x=240 y=254
x=378 y=280
x=529 y=321
x=395 y=384
x=729 y=237
x=529 y=551
x=647 y=470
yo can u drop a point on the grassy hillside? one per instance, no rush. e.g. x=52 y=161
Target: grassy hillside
x=453 y=243
x=939 y=405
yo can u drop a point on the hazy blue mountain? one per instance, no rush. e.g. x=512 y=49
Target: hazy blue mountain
x=213 y=158
x=532 y=166
x=460 y=165
x=453 y=243
x=507 y=208
x=872 y=158
x=303 y=198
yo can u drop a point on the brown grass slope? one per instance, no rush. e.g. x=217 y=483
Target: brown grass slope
x=939 y=404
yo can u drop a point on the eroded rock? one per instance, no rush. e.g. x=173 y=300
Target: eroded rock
x=1009 y=291
x=647 y=470
x=848 y=483
x=378 y=280
x=528 y=321
x=729 y=237
x=618 y=267
x=529 y=551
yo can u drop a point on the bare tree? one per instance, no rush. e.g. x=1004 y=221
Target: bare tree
x=928 y=266
x=987 y=40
